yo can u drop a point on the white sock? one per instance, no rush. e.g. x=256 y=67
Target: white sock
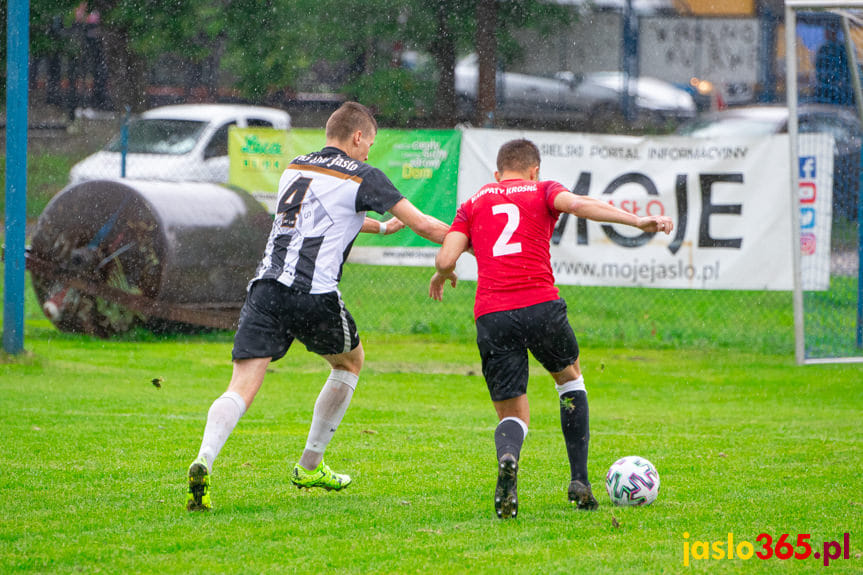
x=224 y=414
x=330 y=408
x=573 y=385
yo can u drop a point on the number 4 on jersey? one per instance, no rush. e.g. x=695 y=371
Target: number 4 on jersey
x=501 y=246
x=292 y=200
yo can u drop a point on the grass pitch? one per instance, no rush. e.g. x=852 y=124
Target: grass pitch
x=94 y=454
x=94 y=457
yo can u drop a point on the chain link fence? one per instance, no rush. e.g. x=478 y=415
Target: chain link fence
x=394 y=301
x=718 y=61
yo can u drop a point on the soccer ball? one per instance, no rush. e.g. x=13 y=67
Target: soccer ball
x=632 y=480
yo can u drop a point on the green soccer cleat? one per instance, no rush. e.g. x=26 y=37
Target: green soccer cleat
x=581 y=494
x=506 y=494
x=322 y=476
x=198 y=497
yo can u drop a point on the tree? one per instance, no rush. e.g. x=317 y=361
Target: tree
x=270 y=46
x=134 y=34
x=486 y=49
x=137 y=33
x=356 y=46
x=489 y=27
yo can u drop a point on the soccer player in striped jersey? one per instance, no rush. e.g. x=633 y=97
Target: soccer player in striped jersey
x=508 y=224
x=322 y=202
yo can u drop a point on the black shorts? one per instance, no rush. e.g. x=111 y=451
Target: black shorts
x=274 y=314
x=504 y=338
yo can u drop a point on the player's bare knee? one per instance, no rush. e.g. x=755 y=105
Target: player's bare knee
x=357 y=357
x=351 y=361
x=570 y=373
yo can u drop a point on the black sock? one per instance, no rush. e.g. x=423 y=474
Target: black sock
x=508 y=438
x=575 y=423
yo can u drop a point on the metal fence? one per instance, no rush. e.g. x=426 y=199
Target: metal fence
x=717 y=61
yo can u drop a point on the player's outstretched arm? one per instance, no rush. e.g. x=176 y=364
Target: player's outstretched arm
x=599 y=211
x=424 y=225
x=373 y=226
x=454 y=244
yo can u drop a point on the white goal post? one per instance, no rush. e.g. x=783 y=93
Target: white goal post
x=848 y=11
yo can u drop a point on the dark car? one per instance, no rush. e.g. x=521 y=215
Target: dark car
x=839 y=121
x=592 y=101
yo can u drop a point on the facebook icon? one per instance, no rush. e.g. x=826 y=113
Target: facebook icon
x=807 y=167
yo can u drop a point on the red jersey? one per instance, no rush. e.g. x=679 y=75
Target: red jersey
x=509 y=225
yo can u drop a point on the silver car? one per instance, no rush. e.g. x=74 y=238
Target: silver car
x=593 y=101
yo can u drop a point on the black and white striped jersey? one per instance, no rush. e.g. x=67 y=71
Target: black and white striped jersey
x=322 y=203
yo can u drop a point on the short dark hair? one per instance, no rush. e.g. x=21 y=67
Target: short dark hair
x=350 y=117
x=517 y=155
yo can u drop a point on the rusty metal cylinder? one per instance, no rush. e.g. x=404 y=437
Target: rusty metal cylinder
x=178 y=243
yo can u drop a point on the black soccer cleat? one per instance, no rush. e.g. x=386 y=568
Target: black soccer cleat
x=581 y=494
x=506 y=492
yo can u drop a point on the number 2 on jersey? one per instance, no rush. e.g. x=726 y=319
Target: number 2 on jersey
x=292 y=200
x=502 y=247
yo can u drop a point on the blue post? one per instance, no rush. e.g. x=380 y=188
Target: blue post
x=860 y=268
x=17 y=63
x=124 y=142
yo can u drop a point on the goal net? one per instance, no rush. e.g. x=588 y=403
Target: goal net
x=823 y=48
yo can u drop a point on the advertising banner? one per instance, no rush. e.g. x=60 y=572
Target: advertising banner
x=423 y=165
x=258 y=156
x=729 y=198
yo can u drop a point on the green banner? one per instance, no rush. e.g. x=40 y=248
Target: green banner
x=305 y=140
x=258 y=156
x=423 y=165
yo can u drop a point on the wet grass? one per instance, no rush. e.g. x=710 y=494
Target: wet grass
x=47 y=174
x=94 y=456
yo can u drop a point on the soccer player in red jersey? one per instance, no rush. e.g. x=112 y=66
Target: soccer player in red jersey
x=508 y=225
